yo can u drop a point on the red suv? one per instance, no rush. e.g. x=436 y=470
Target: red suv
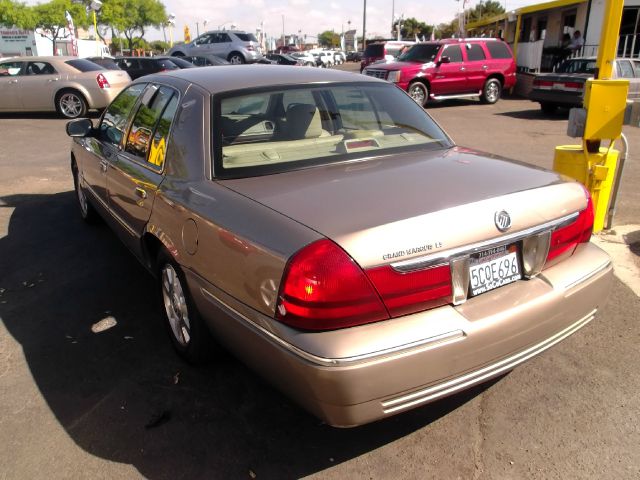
x=451 y=68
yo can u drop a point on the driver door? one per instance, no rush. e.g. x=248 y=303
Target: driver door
x=450 y=78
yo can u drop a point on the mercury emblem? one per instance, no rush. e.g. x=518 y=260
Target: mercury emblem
x=503 y=220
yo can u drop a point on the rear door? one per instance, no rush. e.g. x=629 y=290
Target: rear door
x=10 y=79
x=38 y=86
x=450 y=78
x=476 y=66
x=137 y=171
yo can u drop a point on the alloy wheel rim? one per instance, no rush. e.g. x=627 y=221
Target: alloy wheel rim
x=175 y=304
x=235 y=60
x=492 y=91
x=70 y=105
x=417 y=94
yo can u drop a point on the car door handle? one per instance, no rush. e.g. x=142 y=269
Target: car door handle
x=53 y=80
x=103 y=165
x=462 y=69
x=485 y=67
x=15 y=80
x=142 y=193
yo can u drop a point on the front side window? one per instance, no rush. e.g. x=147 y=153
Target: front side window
x=10 y=69
x=114 y=122
x=453 y=52
x=422 y=53
x=144 y=123
x=280 y=129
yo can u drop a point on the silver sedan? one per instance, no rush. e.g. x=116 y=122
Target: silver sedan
x=69 y=85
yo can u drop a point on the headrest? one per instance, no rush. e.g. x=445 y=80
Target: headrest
x=303 y=121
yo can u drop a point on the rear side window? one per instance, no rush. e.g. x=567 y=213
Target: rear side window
x=498 y=50
x=453 y=52
x=475 y=52
x=246 y=37
x=115 y=117
x=83 y=65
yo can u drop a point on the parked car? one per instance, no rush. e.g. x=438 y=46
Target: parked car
x=354 y=56
x=137 y=67
x=282 y=59
x=382 y=51
x=211 y=61
x=233 y=45
x=69 y=85
x=179 y=62
x=565 y=86
x=306 y=58
x=364 y=267
x=108 y=63
x=339 y=57
x=326 y=58
x=453 y=68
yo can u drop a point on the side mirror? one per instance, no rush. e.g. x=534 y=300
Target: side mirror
x=79 y=128
x=444 y=59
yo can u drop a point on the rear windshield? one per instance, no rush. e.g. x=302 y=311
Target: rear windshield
x=246 y=37
x=375 y=50
x=280 y=129
x=577 y=66
x=83 y=65
x=422 y=53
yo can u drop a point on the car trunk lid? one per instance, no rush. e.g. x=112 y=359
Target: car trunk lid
x=397 y=208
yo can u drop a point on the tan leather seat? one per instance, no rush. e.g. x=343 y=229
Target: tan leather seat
x=303 y=121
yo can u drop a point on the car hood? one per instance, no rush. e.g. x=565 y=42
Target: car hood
x=397 y=207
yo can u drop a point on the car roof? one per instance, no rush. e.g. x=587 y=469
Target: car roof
x=234 y=77
x=43 y=58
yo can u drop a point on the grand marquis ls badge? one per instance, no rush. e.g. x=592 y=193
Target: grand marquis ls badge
x=503 y=220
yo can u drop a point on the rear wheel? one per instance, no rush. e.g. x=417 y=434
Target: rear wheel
x=419 y=92
x=548 y=108
x=491 y=91
x=71 y=104
x=236 y=58
x=188 y=332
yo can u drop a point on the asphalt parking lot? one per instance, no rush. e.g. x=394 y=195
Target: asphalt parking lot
x=121 y=404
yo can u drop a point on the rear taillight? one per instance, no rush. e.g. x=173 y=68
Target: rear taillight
x=323 y=288
x=102 y=81
x=542 y=84
x=566 y=238
x=410 y=292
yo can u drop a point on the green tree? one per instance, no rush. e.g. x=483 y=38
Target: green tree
x=16 y=14
x=131 y=17
x=159 y=46
x=484 y=9
x=447 y=30
x=329 y=39
x=412 y=27
x=50 y=21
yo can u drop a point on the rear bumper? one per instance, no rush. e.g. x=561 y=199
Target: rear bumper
x=101 y=98
x=354 y=376
x=566 y=99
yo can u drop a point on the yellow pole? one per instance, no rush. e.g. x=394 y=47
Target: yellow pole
x=609 y=38
x=170 y=35
x=517 y=37
x=95 y=28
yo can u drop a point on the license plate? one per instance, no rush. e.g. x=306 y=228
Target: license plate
x=493 y=268
x=558 y=86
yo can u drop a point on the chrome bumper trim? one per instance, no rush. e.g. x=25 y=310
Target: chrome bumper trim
x=445 y=256
x=424 y=344
x=478 y=376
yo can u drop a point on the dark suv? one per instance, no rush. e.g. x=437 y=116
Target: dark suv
x=452 y=68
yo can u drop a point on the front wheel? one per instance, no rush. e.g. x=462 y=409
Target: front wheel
x=87 y=212
x=71 y=104
x=188 y=332
x=419 y=92
x=491 y=91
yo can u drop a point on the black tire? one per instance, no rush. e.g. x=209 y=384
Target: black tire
x=71 y=104
x=548 y=108
x=419 y=92
x=236 y=58
x=491 y=91
x=187 y=330
x=87 y=212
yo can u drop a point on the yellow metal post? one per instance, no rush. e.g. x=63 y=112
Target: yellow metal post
x=609 y=38
x=517 y=38
x=95 y=29
x=604 y=102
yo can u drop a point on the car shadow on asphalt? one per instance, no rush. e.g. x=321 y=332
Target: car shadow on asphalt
x=86 y=316
x=536 y=114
